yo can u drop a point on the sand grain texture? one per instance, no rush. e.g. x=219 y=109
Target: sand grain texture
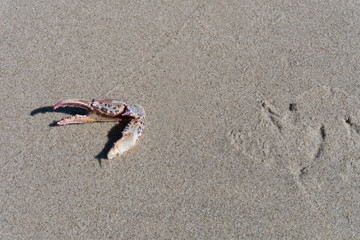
x=253 y=122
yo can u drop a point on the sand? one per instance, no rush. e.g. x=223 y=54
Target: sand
x=253 y=120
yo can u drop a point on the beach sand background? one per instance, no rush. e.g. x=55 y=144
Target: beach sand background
x=253 y=121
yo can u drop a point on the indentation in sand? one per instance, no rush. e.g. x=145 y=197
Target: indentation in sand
x=319 y=133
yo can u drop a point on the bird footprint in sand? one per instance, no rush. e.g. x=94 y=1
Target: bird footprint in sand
x=319 y=132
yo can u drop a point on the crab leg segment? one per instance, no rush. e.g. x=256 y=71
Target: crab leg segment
x=130 y=136
x=111 y=108
x=131 y=133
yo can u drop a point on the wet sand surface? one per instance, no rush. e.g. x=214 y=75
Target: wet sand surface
x=253 y=121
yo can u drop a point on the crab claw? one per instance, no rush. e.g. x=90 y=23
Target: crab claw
x=100 y=109
x=96 y=112
x=80 y=103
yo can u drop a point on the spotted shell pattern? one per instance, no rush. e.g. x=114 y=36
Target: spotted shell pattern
x=136 y=110
x=114 y=108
